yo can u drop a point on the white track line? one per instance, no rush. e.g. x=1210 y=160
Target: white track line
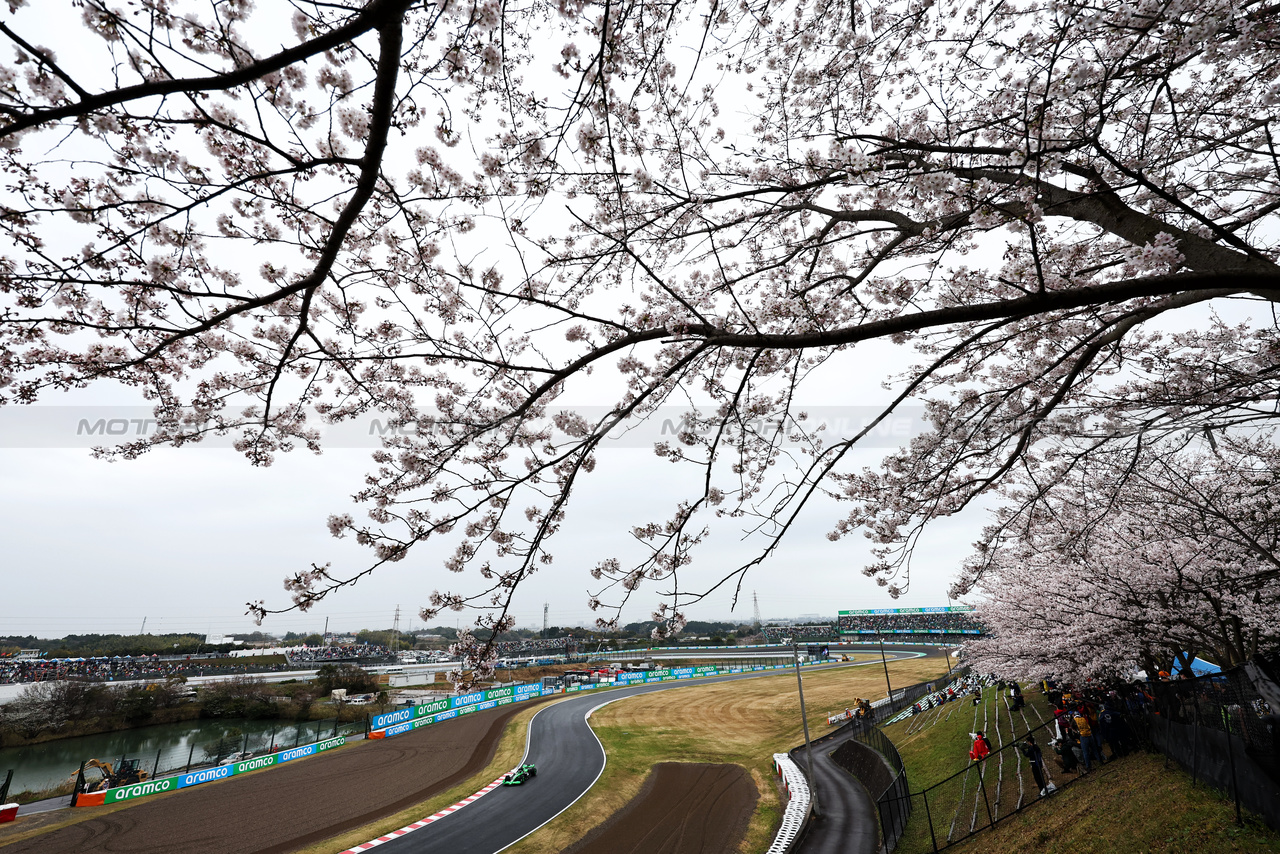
x=418 y=825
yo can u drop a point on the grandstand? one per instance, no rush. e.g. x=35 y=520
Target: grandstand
x=951 y=623
x=361 y=653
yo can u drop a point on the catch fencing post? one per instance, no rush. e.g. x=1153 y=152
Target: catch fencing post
x=245 y=747
x=983 y=784
x=4 y=790
x=297 y=736
x=75 y=791
x=1195 y=747
x=929 y=818
x=155 y=769
x=335 y=728
x=190 y=753
x=1235 y=785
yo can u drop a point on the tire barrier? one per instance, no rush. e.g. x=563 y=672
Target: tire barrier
x=207 y=775
x=797 y=811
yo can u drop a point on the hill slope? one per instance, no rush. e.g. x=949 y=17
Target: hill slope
x=1134 y=804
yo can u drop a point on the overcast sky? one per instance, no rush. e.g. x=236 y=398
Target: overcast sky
x=185 y=537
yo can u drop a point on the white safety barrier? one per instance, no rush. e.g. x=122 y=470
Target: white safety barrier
x=797 y=803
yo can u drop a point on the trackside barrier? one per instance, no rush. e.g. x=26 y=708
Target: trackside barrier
x=845 y=639
x=408 y=719
x=797 y=811
x=206 y=775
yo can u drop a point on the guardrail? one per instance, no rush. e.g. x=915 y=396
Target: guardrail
x=799 y=804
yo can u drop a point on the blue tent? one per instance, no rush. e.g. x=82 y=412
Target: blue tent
x=1199 y=667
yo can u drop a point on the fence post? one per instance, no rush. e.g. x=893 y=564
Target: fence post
x=983 y=784
x=335 y=728
x=1231 y=755
x=4 y=790
x=1195 y=747
x=272 y=748
x=155 y=769
x=929 y=818
x=318 y=729
x=190 y=753
x=245 y=747
x=75 y=791
x=297 y=735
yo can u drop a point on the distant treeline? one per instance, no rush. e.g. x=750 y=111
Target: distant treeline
x=90 y=645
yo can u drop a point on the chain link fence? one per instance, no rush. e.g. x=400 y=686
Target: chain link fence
x=1221 y=729
x=232 y=745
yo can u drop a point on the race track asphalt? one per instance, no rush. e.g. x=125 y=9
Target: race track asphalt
x=847 y=823
x=569 y=758
x=283 y=809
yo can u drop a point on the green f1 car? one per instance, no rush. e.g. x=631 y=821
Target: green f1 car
x=520 y=775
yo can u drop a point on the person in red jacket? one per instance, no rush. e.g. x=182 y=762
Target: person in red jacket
x=981 y=747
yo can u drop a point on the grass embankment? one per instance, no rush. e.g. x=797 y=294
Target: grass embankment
x=1131 y=805
x=743 y=722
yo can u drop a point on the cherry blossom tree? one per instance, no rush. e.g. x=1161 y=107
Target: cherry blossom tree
x=457 y=212
x=1139 y=563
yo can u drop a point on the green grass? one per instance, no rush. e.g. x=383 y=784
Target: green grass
x=1131 y=805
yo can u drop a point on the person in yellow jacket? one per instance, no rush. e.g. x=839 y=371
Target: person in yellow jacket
x=1090 y=745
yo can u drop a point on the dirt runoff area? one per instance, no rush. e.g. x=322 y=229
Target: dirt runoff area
x=684 y=808
x=284 y=808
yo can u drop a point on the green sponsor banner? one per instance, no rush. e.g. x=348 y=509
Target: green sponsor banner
x=500 y=693
x=255 y=764
x=431 y=708
x=141 y=790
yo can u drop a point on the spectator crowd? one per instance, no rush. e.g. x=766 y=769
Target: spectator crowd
x=515 y=647
x=802 y=633
x=947 y=622
x=336 y=652
x=119 y=668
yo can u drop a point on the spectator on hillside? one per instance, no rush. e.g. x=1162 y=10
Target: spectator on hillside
x=1035 y=758
x=1063 y=747
x=1089 y=746
x=981 y=747
x=1111 y=727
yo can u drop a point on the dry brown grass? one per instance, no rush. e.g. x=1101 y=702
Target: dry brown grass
x=743 y=722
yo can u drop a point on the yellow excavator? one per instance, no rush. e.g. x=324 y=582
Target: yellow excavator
x=108 y=777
